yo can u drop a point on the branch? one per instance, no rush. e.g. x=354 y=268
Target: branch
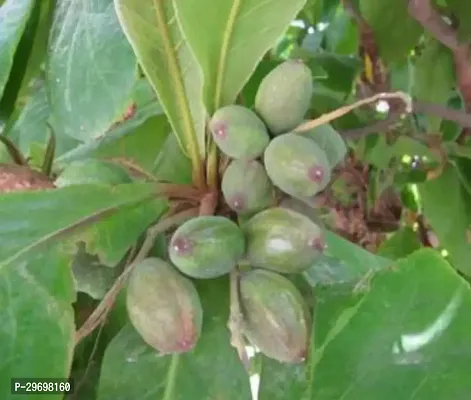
x=460 y=117
x=431 y=20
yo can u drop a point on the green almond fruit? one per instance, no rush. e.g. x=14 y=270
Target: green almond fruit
x=246 y=187
x=164 y=307
x=283 y=241
x=297 y=166
x=276 y=318
x=329 y=141
x=238 y=132
x=207 y=247
x=92 y=171
x=284 y=96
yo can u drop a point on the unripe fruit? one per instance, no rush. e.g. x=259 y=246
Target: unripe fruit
x=246 y=187
x=284 y=96
x=92 y=171
x=282 y=240
x=207 y=246
x=275 y=316
x=239 y=132
x=297 y=165
x=164 y=307
x=329 y=141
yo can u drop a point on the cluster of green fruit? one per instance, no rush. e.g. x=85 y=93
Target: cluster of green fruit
x=269 y=240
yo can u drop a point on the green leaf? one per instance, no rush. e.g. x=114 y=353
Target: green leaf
x=235 y=37
x=462 y=11
x=30 y=128
x=343 y=263
x=406 y=338
x=14 y=15
x=90 y=276
x=171 y=165
x=20 y=63
x=211 y=371
x=395 y=31
x=53 y=214
x=400 y=244
x=444 y=206
x=37 y=334
x=137 y=139
x=152 y=29
x=342 y=33
x=434 y=64
x=91 y=68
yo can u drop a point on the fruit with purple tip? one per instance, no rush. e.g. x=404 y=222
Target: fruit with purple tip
x=275 y=317
x=246 y=187
x=284 y=96
x=297 y=165
x=239 y=132
x=207 y=246
x=164 y=307
x=283 y=241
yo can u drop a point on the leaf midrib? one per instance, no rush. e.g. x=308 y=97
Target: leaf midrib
x=227 y=36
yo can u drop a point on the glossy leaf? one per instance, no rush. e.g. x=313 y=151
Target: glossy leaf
x=153 y=31
x=37 y=334
x=406 y=338
x=211 y=371
x=344 y=263
x=91 y=68
x=396 y=33
x=233 y=41
x=444 y=207
x=14 y=15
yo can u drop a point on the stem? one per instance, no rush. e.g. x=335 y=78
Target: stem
x=235 y=320
x=100 y=313
x=212 y=166
x=325 y=118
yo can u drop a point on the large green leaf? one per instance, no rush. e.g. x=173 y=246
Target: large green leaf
x=444 y=206
x=118 y=212
x=152 y=29
x=211 y=371
x=37 y=333
x=236 y=35
x=91 y=68
x=462 y=11
x=13 y=17
x=395 y=31
x=406 y=338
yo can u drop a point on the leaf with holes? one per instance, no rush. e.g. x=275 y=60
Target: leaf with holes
x=13 y=17
x=152 y=29
x=91 y=68
x=236 y=35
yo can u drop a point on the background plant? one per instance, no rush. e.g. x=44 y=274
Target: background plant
x=133 y=84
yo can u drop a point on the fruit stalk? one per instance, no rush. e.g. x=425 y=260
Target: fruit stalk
x=235 y=319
